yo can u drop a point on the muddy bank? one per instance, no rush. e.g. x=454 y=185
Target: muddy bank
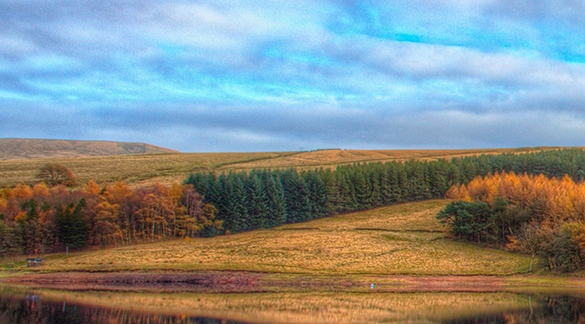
x=244 y=282
x=163 y=282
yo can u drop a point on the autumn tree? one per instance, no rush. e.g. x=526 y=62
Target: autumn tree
x=40 y=191
x=154 y=211
x=106 y=228
x=22 y=192
x=54 y=174
x=210 y=225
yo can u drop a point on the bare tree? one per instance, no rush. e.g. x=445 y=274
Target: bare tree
x=531 y=239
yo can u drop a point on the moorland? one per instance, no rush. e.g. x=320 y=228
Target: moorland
x=397 y=240
x=166 y=168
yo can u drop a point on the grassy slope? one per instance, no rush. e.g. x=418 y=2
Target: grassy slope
x=20 y=148
x=167 y=168
x=400 y=239
x=133 y=169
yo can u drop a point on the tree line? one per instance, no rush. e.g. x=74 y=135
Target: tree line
x=268 y=198
x=42 y=219
x=47 y=218
x=529 y=213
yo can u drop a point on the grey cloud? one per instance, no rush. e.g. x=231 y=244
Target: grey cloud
x=233 y=128
x=166 y=73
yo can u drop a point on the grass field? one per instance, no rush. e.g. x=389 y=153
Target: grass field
x=400 y=239
x=167 y=168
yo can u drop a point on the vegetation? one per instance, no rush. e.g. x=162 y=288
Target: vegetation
x=135 y=170
x=56 y=174
x=533 y=214
x=148 y=169
x=264 y=199
x=40 y=219
x=399 y=239
x=20 y=148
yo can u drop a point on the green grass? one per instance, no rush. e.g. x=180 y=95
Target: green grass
x=400 y=239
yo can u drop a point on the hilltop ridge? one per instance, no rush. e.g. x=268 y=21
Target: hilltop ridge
x=21 y=148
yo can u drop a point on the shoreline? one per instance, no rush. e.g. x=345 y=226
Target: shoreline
x=256 y=282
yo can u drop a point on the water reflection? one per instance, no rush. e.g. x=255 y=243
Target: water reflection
x=19 y=305
x=32 y=309
x=547 y=309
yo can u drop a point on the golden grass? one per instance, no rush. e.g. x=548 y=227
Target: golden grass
x=167 y=168
x=400 y=239
x=337 y=307
x=132 y=169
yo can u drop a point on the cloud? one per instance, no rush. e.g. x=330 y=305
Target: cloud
x=280 y=75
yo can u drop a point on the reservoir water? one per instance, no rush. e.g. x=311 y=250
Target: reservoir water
x=23 y=305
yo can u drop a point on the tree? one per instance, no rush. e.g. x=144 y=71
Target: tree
x=71 y=225
x=29 y=228
x=55 y=174
x=154 y=210
x=10 y=242
x=22 y=192
x=530 y=240
x=106 y=228
x=209 y=225
x=469 y=221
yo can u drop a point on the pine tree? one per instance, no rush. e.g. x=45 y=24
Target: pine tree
x=243 y=222
x=317 y=191
x=276 y=200
x=29 y=228
x=256 y=201
x=72 y=226
x=296 y=197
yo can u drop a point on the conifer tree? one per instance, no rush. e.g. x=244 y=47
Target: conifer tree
x=256 y=201
x=240 y=197
x=296 y=197
x=275 y=200
x=317 y=191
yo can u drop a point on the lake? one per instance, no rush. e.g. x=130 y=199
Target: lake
x=24 y=305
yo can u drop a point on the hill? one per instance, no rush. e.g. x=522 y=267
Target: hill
x=18 y=148
x=144 y=169
x=399 y=239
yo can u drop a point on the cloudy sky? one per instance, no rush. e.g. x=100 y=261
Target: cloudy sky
x=278 y=75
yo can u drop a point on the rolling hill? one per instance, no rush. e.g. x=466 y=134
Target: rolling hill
x=146 y=169
x=395 y=240
x=18 y=148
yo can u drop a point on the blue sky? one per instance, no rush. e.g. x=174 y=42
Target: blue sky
x=204 y=76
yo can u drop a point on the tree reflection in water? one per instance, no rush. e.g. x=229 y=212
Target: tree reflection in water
x=546 y=309
x=33 y=310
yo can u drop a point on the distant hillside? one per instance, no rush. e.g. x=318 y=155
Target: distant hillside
x=15 y=148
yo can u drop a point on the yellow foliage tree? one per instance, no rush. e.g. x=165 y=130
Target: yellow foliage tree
x=22 y=192
x=40 y=191
x=92 y=188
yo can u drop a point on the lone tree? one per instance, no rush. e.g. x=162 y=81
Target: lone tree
x=55 y=174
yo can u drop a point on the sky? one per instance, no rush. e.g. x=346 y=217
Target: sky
x=287 y=75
